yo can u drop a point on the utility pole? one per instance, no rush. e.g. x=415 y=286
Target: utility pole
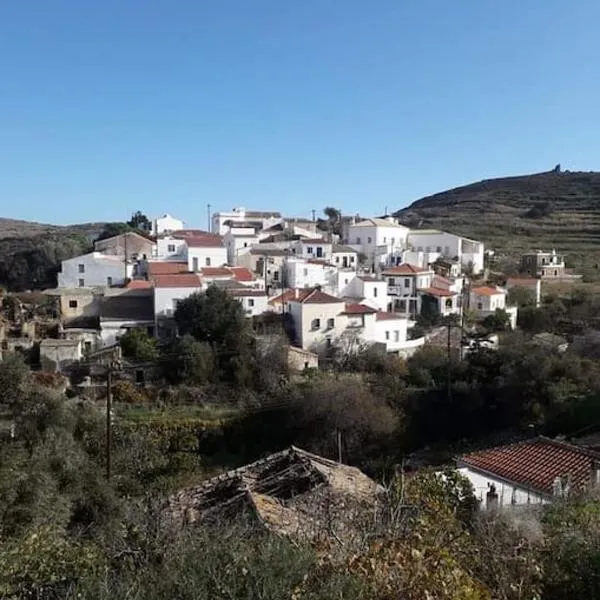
x=109 y=420
x=314 y=212
x=449 y=361
x=209 y=221
x=125 y=257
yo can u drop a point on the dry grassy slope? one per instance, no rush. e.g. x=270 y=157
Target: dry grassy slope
x=497 y=211
x=13 y=228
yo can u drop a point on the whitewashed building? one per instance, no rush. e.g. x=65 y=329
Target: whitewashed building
x=254 y=302
x=238 y=240
x=126 y=310
x=301 y=273
x=404 y=282
x=382 y=241
x=486 y=300
x=369 y=290
x=168 y=291
x=221 y=220
x=94 y=270
x=391 y=329
x=166 y=224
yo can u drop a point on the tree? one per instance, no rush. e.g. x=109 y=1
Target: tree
x=140 y=221
x=14 y=378
x=139 y=345
x=218 y=319
x=113 y=229
x=334 y=220
x=498 y=321
x=521 y=296
x=189 y=361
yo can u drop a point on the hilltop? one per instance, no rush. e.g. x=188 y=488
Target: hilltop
x=512 y=214
x=30 y=253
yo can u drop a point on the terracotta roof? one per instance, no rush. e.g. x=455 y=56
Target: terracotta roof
x=437 y=292
x=315 y=296
x=440 y=282
x=181 y=280
x=486 y=291
x=388 y=316
x=209 y=240
x=166 y=268
x=242 y=292
x=535 y=463
x=139 y=284
x=242 y=274
x=285 y=296
x=358 y=309
x=405 y=269
x=216 y=272
x=314 y=241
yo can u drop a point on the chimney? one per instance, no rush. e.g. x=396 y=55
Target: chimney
x=296 y=293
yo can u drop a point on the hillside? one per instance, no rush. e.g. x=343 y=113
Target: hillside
x=30 y=253
x=545 y=210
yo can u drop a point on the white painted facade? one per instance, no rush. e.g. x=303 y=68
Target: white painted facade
x=219 y=221
x=236 y=240
x=368 y=290
x=199 y=257
x=94 y=270
x=166 y=224
x=111 y=330
x=380 y=240
x=344 y=260
x=300 y=273
x=313 y=248
x=317 y=325
x=166 y=298
x=170 y=248
x=393 y=333
x=509 y=494
x=486 y=301
x=435 y=244
x=253 y=302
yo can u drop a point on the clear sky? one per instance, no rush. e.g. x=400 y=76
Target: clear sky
x=108 y=106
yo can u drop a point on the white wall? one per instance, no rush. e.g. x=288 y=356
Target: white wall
x=350 y=259
x=449 y=245
x=407 y=285
x=313 y=249
x=93 y=270
x=302 y=274
x=482 y=302
x=112 y=330
x=200 y=257
x=235 y=240
x=315 y=339
x=254 y=305
x=171 y=248
x=373 y=293
x=379 y=243
x=164 y=299
x=166 y=223
x=507 y=492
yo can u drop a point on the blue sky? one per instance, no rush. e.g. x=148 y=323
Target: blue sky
x=167 y=105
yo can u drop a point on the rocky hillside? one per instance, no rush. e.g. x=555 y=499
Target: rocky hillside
x=30 y=253
x=546 y=210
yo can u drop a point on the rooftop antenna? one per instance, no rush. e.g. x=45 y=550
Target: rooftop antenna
x=209 y=223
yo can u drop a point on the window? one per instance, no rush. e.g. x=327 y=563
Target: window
x=245 y=244
x=195 y=263
x=305 y=272
x=396 y=336
x=109 y=281
x=407 y=282
x=352 y=259
x=316 y=324
x=337 y=259
x=438 y=249
x=87 y=347
x=390 y=281
x=81 y=268
x=420 y=249
x=139 y=375
x=385 y=240
x=81 y=283
x=358 y=240
x=330 y=323
x=374 y=292
x=428 y=249
x=393 y=241
x=171 y=248
x=207 y=261
x=449 y=303
x=447 y=250
x=479 y=305
x=250 y=302
x=72 y=303
x=387 y=335
x=319 y=252
x=369 y=240
x=345 y=282
x=309 y=249
x=276 y=276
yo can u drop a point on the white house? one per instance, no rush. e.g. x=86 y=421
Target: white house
x=168 y=291
x=169 y=247
x=254 y=302
x=166 y=224
x=369 y=290
x=444 y=295
x=431 y=244
x=236 y=239
x=403 y=282
x=380 y=240
x=301 y=273
x=221 y=220
x=205 y=251
x=534 y=471
x=344 y=258
x=485 y=300
x=316 y=248
x=94 y=270
x=391 y=329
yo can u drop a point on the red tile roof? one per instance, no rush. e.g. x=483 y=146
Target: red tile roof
x=185 y=233
x=286 y=296
x=166 y=268
x=440 y=282
x=216 y=272
x=314 y=241
x=358 y=309
x=182 y=280
x=535 y=463
x=139 y=284
x=368 y=278
x=437 y=292
x=486 y=291
x=314 y=296
x=388 y=316
x=405 y=269
x=242 y=274
x=208 y=240
x=246 y=292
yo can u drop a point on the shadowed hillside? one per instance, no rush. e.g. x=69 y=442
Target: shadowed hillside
x=30 y=253
x=546 y=210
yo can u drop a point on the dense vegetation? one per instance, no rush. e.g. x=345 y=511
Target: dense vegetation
x=515 y=214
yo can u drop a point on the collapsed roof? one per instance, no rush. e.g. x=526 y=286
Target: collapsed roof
x=289 y=492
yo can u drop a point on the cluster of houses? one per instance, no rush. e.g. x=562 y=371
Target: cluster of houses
x=366 y=284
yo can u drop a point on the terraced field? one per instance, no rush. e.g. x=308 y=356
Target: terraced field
x=558 y=210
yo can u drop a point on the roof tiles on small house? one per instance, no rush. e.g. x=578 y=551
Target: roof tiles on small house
x=181 y=280
x=358 y=309
x=166 y=267
x=406 y=269
x=486 y=291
